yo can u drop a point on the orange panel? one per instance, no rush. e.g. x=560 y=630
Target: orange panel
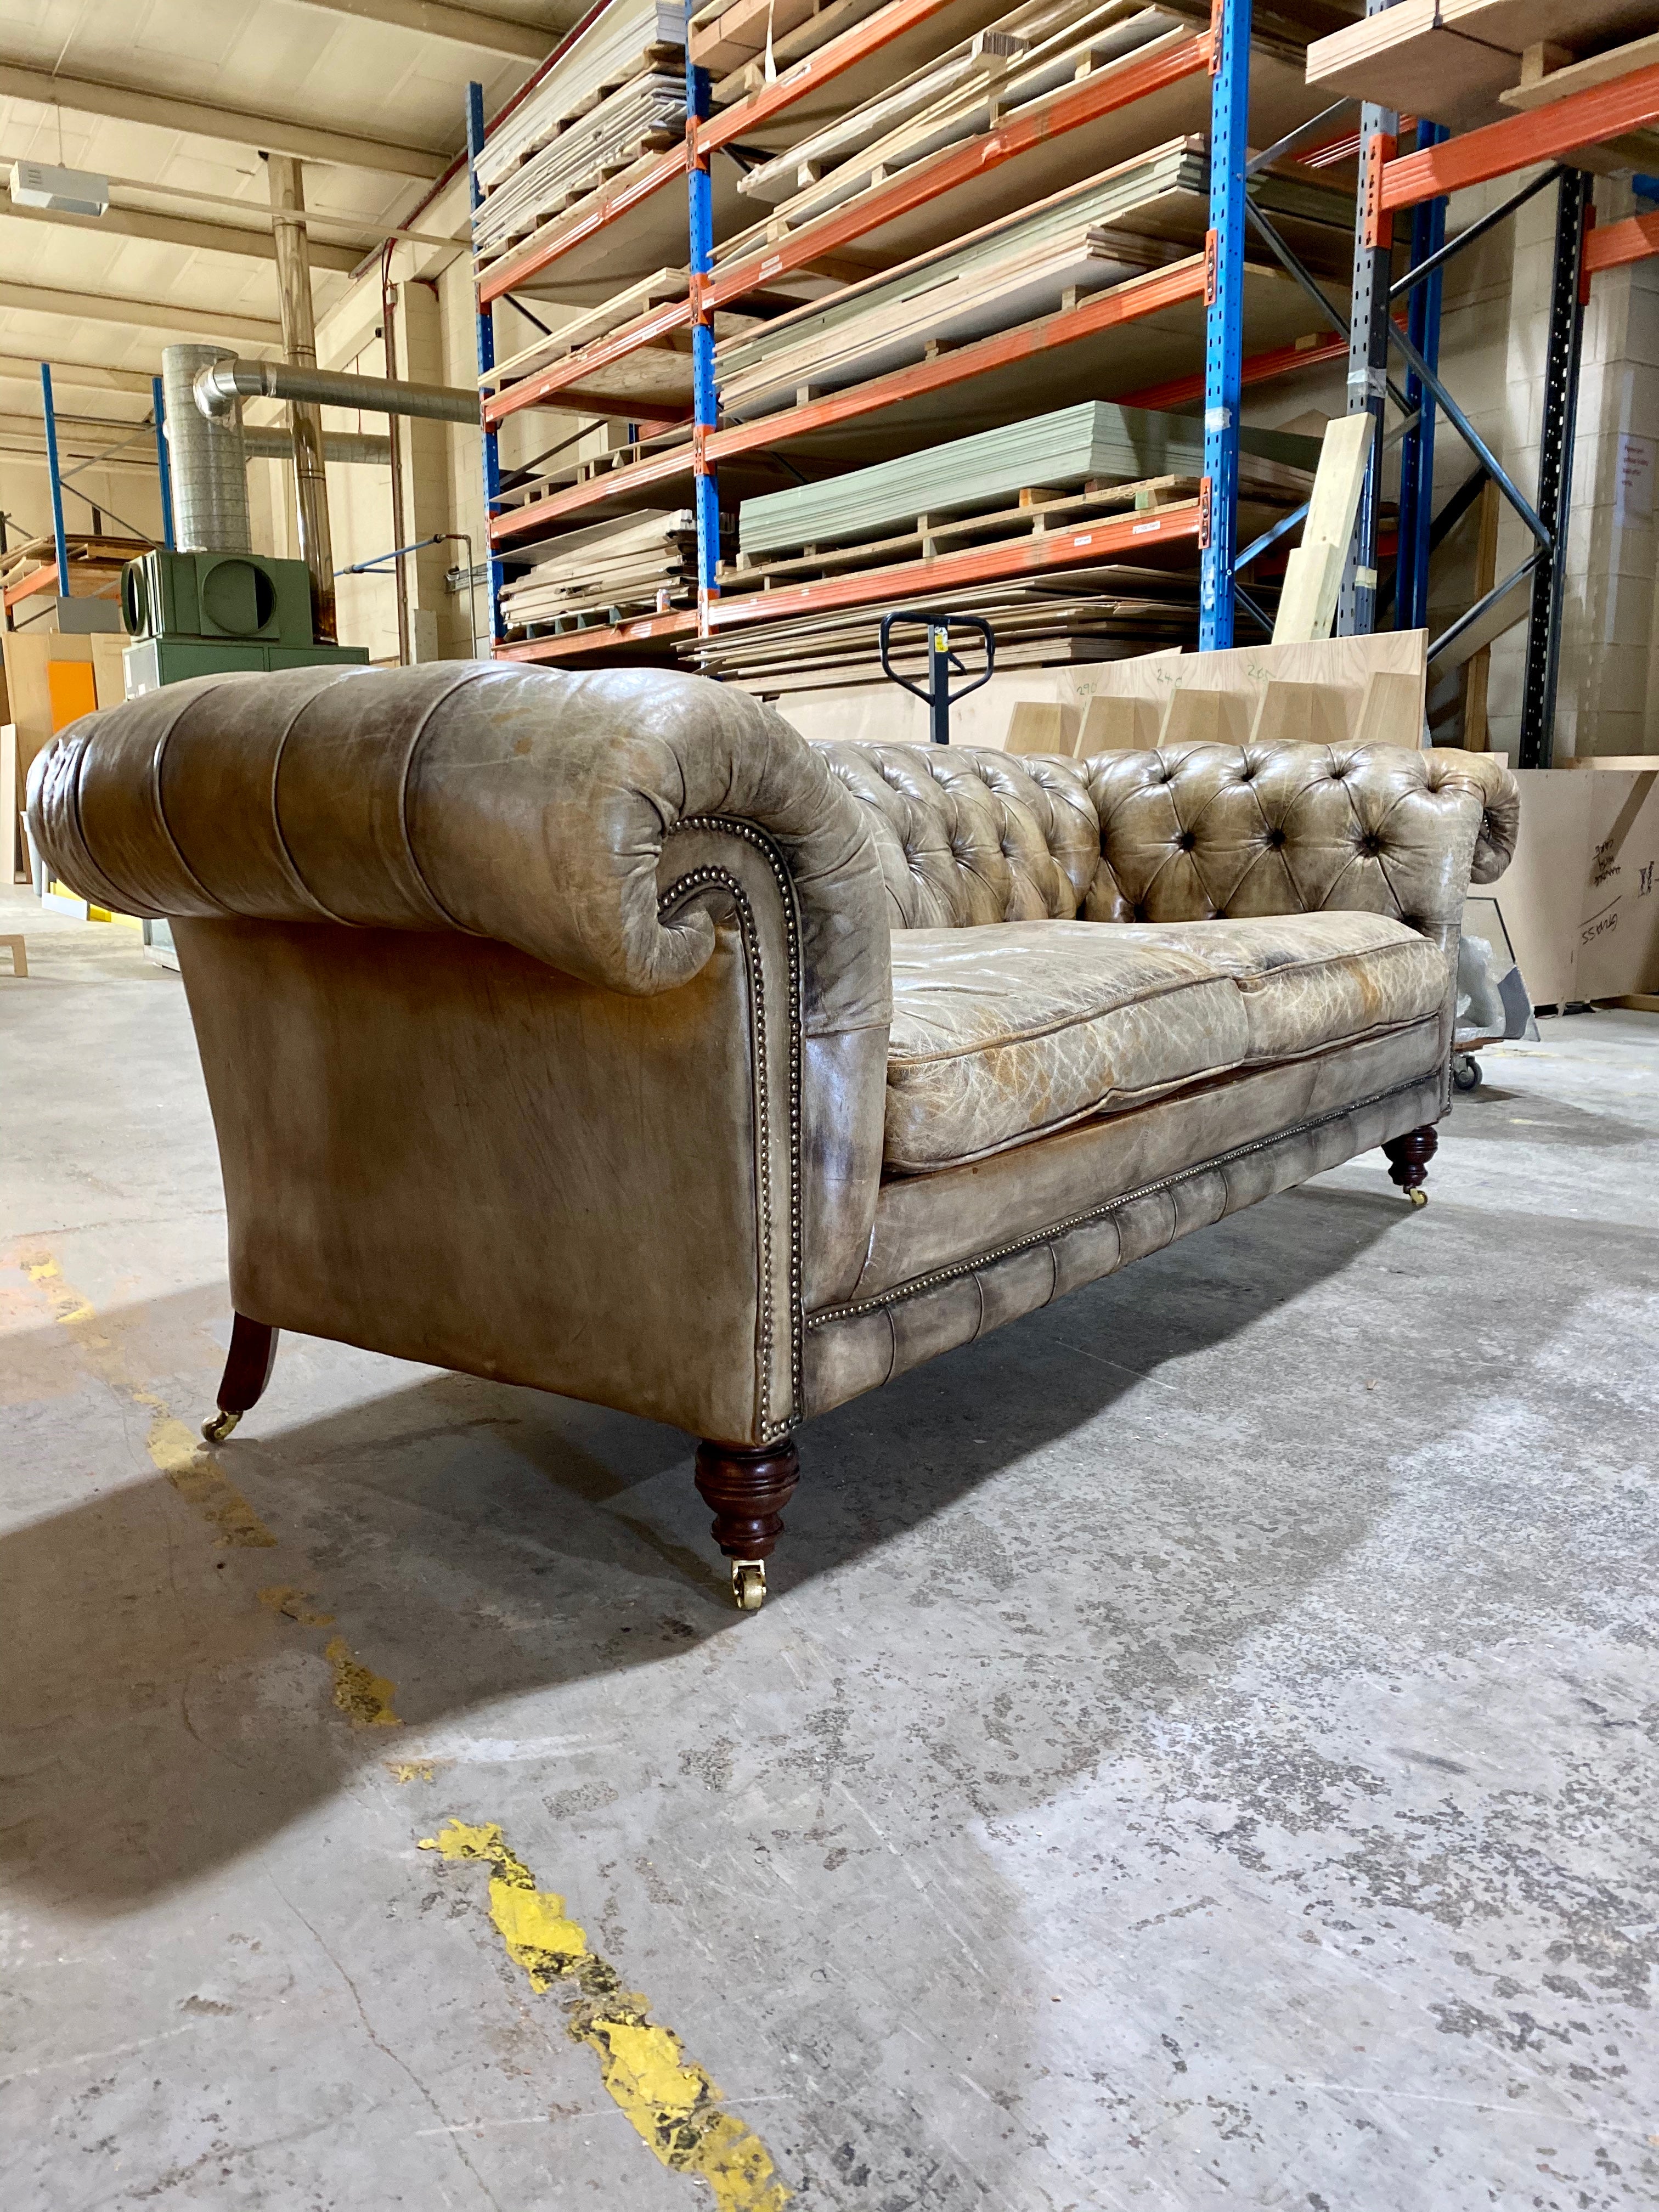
x=70 y=686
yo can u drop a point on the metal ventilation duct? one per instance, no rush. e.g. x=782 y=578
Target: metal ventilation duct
x=206 y=458
x=226 y=379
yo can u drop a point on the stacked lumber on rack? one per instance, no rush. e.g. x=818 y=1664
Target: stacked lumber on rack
x=1136 y=216
x=1080 y=240
x=1469 y=62
x=1035 y=50
x=1096 y=447
x=1089 y=614
x=95 y=564
x=639 y=117
x=609 y=53
x=641 y=562
x=743 y=44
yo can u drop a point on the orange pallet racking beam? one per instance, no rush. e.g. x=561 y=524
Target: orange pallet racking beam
x=1097 y=96
x=1636 y=239
x=680 y=623
x=1546 y=134
x=986 y=564
x=506 y=277
x=852 y=46
x=1258 y=369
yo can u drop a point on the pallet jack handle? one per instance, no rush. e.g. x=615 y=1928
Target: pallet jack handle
x=939 y=696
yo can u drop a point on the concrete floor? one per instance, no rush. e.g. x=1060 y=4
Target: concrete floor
x=1196 y=1754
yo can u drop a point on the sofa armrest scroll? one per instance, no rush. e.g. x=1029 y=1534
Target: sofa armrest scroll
x=526 y=805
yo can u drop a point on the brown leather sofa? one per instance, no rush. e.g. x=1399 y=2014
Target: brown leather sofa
x=597 y=1033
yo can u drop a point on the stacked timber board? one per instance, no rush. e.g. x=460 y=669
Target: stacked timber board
x=743 y=44
x=1461 y=61
x=1089 y=614
x=616 y=99
x=1136 y=216
x=1095 y=443
x=636 y=563
x=984 y=80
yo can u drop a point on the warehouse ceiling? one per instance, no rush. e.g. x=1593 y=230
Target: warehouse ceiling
x=176 y=98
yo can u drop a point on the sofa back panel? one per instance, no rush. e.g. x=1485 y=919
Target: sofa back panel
x=967 y=834
x=1190 y=833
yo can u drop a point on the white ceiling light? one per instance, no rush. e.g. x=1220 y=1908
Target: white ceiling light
x=70 y=191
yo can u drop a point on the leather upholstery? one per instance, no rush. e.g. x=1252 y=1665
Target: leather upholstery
x=1004 y=1033
x=545 y=1018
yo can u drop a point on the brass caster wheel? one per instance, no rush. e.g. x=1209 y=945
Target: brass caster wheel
x=1417 y=1197
x=749 y=1584
x=216 y=1430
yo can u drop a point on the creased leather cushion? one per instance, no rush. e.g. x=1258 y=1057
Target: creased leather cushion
x=1003 y=1033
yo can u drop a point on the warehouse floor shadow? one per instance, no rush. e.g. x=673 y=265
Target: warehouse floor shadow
x=171 y=1700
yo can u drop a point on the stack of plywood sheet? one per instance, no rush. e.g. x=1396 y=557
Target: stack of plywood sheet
x=1097 y=445
x=1456 y=59
x=1025 y=264
x=1085 y=615
x=638 y=118
x=985 y=79
x=1093 y=235
x=743 y=43
x=615 y=47
x=638 y=562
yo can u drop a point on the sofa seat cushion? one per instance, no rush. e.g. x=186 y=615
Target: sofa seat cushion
x=1005 y=1033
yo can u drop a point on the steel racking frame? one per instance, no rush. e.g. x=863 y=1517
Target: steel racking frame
x=1215 y=277
x=1420 y=182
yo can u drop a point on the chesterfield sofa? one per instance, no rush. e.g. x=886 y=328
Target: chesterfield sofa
x=596 y=1032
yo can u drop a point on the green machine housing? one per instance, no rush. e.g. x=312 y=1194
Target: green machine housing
x=210 y=614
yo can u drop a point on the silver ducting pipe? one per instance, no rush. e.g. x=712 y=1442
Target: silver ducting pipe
x=206 y=456
x=225 y=381
x=346 y=446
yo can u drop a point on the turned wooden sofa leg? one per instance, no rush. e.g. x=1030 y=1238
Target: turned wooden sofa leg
x=1408 y=1161
x=247 y=1370
x=747 y=1486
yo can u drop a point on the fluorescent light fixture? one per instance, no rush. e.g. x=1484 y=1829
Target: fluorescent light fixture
x=70 y=192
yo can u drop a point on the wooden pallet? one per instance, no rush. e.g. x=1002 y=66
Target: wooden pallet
x=1036 y=511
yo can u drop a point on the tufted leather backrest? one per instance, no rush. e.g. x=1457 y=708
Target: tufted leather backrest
x=965 y=834
x=1184 y=834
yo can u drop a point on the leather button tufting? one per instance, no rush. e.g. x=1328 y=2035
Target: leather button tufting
x=1186 y=840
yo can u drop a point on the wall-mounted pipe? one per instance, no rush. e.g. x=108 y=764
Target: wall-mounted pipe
x=224 y=382
x=346 y=446
x=209 y=461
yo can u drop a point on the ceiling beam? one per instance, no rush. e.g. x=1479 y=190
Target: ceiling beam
x=168 y=315
x=201 y=118
x=79 y=376
x=182 y=230
x=463 y=27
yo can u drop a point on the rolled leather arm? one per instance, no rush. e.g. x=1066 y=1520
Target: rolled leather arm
x=1193 y=831
x=524 y=804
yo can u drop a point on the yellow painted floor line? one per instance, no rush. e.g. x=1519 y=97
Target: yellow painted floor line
x=364 y=1697
x=187 y=1463
x=668 y=2098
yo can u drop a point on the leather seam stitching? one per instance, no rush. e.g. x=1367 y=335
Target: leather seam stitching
x=940 y=1275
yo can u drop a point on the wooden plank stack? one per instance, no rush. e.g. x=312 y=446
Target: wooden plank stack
x=1085 y=615
x=640 y=563
x=1033 y=50
x=1095 y=446
x=1455 y=60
